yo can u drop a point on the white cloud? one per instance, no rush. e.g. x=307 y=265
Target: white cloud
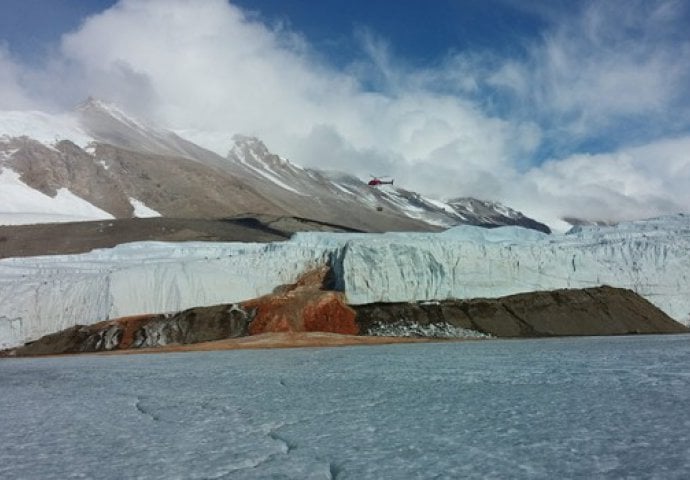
x=13 y=96
x=208 y=69
x=212 y=68
x=632 y=183
x=610 y=62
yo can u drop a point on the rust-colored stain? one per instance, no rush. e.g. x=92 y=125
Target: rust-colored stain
x=329 y=313
x=302 y=307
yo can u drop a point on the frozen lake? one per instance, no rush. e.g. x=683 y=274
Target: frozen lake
x=581 y=407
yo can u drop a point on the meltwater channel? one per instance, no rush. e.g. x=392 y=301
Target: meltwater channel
x=601 y=407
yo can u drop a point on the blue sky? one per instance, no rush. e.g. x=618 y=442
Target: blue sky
x=558 y=107
x=30 y=27
x=420 y=31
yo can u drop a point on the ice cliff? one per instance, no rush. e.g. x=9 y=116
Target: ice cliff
x=650 y=257
x=40 y=295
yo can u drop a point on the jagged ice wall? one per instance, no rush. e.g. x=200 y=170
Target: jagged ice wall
x=40 y=295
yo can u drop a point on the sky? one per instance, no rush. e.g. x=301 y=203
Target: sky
x=556 y=108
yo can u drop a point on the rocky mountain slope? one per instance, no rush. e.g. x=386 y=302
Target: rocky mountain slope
x=122 y=168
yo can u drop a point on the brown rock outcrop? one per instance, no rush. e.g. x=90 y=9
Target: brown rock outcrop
x=590 y=311
x=201 y=324
x=304 y=307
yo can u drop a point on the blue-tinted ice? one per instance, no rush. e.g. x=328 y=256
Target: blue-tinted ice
x=575 y=408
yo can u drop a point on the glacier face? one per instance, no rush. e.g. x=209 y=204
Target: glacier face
x=40 y=295
x=651 y=258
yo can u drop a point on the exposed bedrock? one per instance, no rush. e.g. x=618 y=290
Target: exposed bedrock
x=590 y=311
x=202 y=324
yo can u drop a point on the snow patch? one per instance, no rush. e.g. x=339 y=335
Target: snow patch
x=264 y=170
x=438 y=204
x=141 y=210
x=43 y=127
x=270 y=175
x=21 y=204
x=342 y=188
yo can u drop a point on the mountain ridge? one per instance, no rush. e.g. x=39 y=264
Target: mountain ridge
x=116 y=163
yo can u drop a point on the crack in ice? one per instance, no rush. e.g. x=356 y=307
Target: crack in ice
x=144 y=411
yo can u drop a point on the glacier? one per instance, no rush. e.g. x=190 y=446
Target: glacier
x=41 y=295
x=650 y=257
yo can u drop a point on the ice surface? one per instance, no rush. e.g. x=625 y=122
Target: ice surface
x=519 y=409
x=509 y=235
x=46 y=294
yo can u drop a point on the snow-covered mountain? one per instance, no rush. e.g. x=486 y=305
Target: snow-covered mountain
x=108 y=124
x=100 y=162
x=351 y=199
x=40 y=295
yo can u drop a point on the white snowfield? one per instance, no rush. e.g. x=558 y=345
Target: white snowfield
x=40 y=295
x=22 y=205
x=43 y=127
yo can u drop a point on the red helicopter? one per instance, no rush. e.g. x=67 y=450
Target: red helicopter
x=376 y=181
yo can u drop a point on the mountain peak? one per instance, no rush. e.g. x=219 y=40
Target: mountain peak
x=279 y=185
x=249 y=143
x=489 y=213
x=251 y=151
x=89 y=103
x=94 y=107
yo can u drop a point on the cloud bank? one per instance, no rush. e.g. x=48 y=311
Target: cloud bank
x=590 y=121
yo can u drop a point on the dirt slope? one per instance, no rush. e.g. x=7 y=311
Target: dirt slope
x=79 y=237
